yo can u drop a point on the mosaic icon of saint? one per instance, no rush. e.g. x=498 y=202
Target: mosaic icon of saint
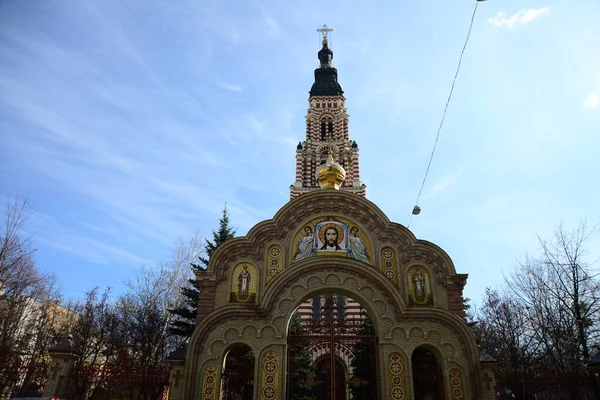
x=358 y=247
x=419 y=284
x=304 y=247
x=243 y=283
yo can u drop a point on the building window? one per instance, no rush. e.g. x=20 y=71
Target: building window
x=316 y=310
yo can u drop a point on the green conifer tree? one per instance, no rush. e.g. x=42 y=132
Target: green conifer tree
x=302 y=370
x=362 y=364
x=185 y=321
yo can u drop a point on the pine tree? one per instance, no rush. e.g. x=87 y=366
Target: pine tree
x=302 y=370
x=183 y=325
x=362 y=364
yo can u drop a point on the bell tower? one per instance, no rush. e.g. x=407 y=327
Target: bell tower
x=326 y=130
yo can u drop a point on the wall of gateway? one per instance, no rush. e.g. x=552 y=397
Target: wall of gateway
x=399 y=334
x=408 y=287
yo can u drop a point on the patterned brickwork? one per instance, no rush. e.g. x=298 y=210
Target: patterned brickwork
x=388 y=257
x=456 y=384
x=396 y=325
x=275 y=259
x=209 y=382
x=270 y=389
x=321 y=137
x=400 y=327
x=395 y=371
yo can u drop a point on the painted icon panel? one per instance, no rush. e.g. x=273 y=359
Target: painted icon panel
x=419 y=286
x=331 y=236
x=244 y=282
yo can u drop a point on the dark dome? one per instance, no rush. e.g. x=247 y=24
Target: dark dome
x=326 y=83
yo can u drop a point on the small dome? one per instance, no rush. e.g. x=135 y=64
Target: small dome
x=331 y=175
x=326 y=83
x=325 y=55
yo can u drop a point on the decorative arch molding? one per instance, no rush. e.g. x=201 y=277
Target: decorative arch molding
x=292 y=286
x=225 y=348
x=430 y=254
x=371 y=288
x=267 y=323
x=449 y=336
x=313 y=276
x=326 y=146
x=440 y=328
x=213 y=345
x=322 y=202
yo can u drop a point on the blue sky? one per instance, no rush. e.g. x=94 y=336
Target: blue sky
x=132 y=123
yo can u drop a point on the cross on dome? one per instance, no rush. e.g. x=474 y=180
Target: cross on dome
x=324 y=31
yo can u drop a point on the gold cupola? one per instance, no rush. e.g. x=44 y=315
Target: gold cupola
x=331 y=175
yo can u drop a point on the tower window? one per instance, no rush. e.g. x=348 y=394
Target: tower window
x=316 y=310
x=326 y=127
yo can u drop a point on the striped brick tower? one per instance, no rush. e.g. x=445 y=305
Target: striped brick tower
x=326 y=130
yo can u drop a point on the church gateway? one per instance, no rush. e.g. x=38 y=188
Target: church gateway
x=330 y=299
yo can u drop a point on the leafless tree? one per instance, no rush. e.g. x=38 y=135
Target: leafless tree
x=28 y=302
x=123 y=343
x=96 y=341
x=505 y=332
x=552 y=303
x=145 y=318
x=561 y=291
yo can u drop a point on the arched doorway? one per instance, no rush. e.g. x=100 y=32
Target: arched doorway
x=237 y=377
x=332 y=350
x=427 y=375
x=323 y=374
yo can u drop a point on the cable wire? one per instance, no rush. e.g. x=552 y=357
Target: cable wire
x=445 y=109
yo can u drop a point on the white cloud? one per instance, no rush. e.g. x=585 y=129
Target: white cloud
x=592 y=100
x=521 y=17
x=230 y=87
x=89 y=249
x=443 y=184
x=272 y=25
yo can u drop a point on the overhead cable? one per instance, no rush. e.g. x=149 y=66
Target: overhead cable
x=417 y=209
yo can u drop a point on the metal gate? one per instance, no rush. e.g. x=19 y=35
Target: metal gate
x=332 y=350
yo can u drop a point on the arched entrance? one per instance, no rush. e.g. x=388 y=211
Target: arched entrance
x=331 y=350
x=323 y=374
x=237 y=377
x=427 y=375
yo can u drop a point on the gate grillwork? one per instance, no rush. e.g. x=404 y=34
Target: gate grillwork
x=331 y=351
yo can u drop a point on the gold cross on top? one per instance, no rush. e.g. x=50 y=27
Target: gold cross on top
x=324 y=31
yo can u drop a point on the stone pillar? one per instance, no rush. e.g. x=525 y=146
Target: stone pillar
x=63 y=358
x=488 y=378
x=355 y=167
x=455 y=285
x=177 y=368
x=299 y=167
x=207 y=285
